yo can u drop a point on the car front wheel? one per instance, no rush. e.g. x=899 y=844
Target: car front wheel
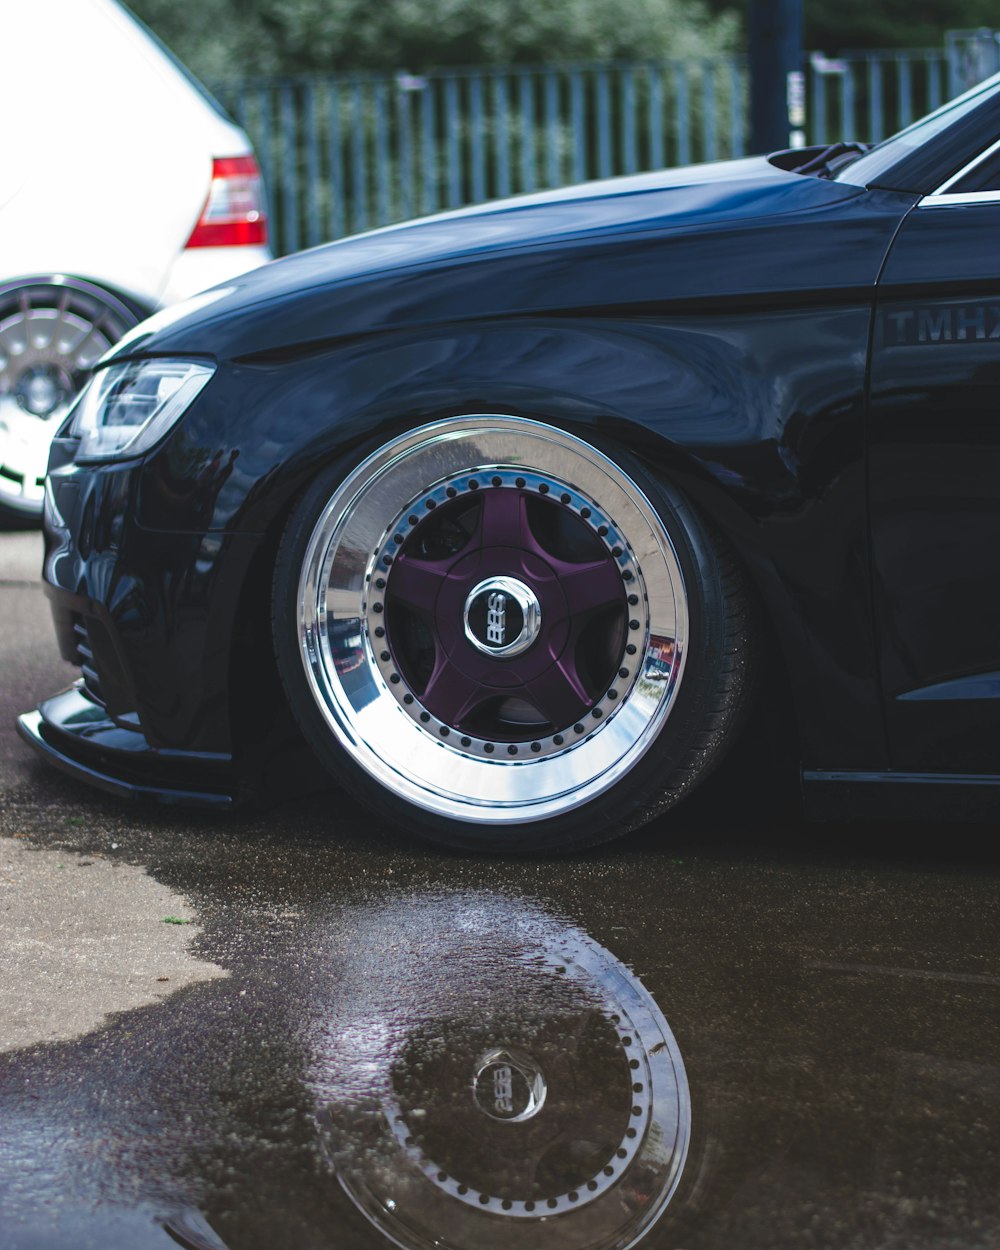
x=502 y=637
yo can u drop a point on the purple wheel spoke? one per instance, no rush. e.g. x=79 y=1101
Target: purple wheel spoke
x=451 y=693
x=559 y=694
x=501 y=520
x=416 y=583
x=590 y=587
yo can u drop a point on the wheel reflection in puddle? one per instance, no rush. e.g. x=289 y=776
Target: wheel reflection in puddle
x=502 y=1082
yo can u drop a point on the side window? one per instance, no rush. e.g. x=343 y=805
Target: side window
x=985 y=177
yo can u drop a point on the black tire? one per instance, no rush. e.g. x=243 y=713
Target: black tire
x=499 y=637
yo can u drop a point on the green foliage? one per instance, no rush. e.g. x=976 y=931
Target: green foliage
x=232 y=38
x=841 y=25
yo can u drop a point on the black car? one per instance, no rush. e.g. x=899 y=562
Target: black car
x=497 y=513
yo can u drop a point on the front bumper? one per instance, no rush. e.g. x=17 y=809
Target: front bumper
x=80 y=738
x=156 y=623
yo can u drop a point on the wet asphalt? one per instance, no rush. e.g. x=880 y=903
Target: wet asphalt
x=733 y=1029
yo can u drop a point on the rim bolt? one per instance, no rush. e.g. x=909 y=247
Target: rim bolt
x=543 y=489
x=379 y=631
x=631 y=648
x=520 y=483
x=558 y=740
x=497 y=481
x=488 y=748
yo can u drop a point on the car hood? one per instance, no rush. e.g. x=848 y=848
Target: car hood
x=582 y=246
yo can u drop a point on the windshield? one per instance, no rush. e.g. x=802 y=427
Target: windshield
x=868 y=168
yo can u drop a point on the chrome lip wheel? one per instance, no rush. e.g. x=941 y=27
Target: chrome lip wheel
x=589 y=621
x=50 y=337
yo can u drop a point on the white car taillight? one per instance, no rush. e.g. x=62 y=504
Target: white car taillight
x=234 y=213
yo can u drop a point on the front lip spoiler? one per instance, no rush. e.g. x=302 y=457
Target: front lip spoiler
x=70 y=732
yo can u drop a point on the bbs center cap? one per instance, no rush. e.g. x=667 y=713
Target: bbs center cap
x=502 y=616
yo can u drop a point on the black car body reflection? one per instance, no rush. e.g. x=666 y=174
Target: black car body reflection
x=519 y=454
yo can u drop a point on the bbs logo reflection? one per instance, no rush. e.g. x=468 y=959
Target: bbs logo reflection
x=503 y=1090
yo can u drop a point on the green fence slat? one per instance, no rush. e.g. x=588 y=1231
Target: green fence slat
x=335 y=162
x=736 y=110
x=383 y=211
x=630 y=154
x=359 y=149
x=477 y=138
x=682 y=113
x=657 y=151
x=904 y=77
x=935 y=74
x=817 y=122
x=428 y=138
x=603 y=124
x=289 y=175
x=526 y=93
x=552 y=129
x=875 y=111
x=709 y=121
x=451 y=112
x=501 y=134
x=313 y=184
x=579 y=126
x=263 y=143
x=404 y=144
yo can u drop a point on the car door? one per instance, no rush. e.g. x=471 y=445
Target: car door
x=934 y=473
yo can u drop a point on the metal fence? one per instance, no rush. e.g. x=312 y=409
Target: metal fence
x=343 y=153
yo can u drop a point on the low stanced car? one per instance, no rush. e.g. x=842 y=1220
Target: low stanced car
x=509 y=516
x=91 y=244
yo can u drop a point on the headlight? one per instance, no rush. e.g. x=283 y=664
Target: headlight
x=127 y=408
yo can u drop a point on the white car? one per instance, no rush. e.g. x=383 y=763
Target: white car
x=123 y=188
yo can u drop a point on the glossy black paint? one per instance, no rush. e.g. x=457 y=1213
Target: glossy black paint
x=719 y=322
x=935 y=466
